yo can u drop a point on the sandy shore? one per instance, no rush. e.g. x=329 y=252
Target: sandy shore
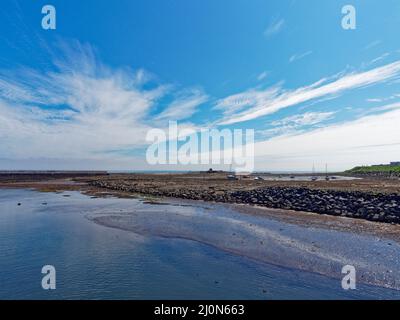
x=367 y=199
x=295 y=239
x=218 y=183
x=313 y=243
x=373 y=200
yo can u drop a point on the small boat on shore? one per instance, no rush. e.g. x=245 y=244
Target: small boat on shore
x=314 y=177
x=326 y=173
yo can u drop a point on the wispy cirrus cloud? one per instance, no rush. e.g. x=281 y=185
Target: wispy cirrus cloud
x=382 y=99
x=81 y=108
x=262 y=75
x=299 y=56
x=296 y=124
x=367 y=140
x=372 y=44
x=264 y=102
x=274 y=27
x=305 y=119
x=236 y=103
x=381 y=57
x=184 y=106
x=384 y=108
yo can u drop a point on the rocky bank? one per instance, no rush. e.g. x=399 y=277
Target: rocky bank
x=355 y=204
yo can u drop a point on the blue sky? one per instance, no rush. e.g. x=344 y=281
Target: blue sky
x=84 y=95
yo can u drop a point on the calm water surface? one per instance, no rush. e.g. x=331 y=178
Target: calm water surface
x=97 y=262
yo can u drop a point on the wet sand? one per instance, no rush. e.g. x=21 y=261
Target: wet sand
x=317 y=243
x=272 y=236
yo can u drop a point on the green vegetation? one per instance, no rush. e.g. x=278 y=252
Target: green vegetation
x=375 y=169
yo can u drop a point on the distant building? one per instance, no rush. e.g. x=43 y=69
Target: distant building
x=395 y=163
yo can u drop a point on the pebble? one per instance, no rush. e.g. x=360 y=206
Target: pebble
x=354 y=204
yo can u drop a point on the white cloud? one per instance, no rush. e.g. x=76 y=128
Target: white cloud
x=372 y=44
x=391 y=97
x=284 y=130
x=274 y=27
x=81 y=109
x=388 y=107
x=305 y=119
x=237 y=102
x=368 y=140
x=264 y=102
x=262 y=76
x=374 y=100
x=184 y=106
x=295 y=124
x=381 y=57
x=83 y=112
x=299 y=56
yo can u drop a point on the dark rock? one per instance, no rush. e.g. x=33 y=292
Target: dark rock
x=355 y=204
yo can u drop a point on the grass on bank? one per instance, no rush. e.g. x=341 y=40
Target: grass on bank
x=375 y=169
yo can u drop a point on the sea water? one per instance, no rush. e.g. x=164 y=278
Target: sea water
x=97 y=262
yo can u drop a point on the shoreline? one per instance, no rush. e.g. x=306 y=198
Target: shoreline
x=302 y=249
x=303 y=218
x=353 y=199
x=230 y=253
x=269 y=237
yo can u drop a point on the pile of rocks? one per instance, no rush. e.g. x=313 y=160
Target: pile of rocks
x=355 y=204
x=148 y=188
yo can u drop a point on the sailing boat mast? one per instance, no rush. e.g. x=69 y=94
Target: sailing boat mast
x=326 y=172
x=313 y=178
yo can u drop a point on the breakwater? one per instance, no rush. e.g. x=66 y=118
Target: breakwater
x=354 y=204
